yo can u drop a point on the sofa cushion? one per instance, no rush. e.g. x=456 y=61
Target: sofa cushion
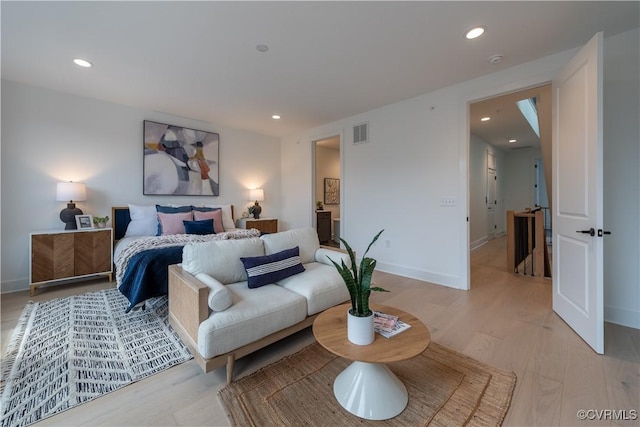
x=254 y=314
x=305 y=238
x=326 y=255
x=266 y=269
x=220 y=259
x=321 y=285
x=219 y=296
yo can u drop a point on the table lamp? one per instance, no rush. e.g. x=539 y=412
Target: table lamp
x=257 y=195
x=70 y=191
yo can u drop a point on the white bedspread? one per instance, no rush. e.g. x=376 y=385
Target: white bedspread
x=125 y=250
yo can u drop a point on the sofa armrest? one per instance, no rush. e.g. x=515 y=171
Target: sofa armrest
x=325 y=252
x=187 y=302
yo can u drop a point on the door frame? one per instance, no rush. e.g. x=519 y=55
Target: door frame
x=313 y=140
x=505 y=88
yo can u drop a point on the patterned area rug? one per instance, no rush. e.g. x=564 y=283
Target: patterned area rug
x=446 y=388
x=68 y=351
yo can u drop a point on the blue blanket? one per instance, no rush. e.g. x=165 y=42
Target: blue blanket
x=147 y=274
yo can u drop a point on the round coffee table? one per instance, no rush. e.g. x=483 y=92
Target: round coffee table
x=367 y=388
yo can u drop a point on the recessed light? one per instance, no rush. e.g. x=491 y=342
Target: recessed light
x=485 y=119
x=275 y=117
x=83 y=63
x=512 y=140
x=474 y=32
x=262 y=48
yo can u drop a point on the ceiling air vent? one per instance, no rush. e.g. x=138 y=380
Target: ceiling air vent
x=361 y=133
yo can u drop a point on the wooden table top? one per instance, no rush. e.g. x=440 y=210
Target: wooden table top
x=330 y=330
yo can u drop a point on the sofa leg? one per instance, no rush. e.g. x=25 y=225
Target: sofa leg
x=230 y=359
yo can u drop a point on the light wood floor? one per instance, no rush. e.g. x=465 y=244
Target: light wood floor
x=504 y=320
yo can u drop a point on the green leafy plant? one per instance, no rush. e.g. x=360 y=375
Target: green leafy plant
x=100 y=219
x=319 y=205
x=358 y=280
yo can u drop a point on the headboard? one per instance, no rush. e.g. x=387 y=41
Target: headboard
x=120 y=219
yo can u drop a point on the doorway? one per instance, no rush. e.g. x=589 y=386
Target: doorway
x=507 y=171
x=326 y=190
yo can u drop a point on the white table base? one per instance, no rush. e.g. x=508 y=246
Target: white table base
x=370 y=391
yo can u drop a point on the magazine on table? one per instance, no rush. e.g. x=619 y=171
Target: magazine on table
x=383 y=321
x=388 y=325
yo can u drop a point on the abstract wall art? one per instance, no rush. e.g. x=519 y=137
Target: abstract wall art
x=331 y=191
x=179 y=161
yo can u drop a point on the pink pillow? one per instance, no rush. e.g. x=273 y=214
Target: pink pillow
x=171 y=223
x=216 y=216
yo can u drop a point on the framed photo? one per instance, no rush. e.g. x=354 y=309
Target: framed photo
x=179 y=161
x=84 y=221
x=331 y=191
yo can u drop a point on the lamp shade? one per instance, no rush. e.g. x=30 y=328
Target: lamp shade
x=70 y=191
x=256 y=194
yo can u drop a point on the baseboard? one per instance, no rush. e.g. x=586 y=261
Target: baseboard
x=478 y=243
x=14 y=286
x=455 y=282
x=622 y=316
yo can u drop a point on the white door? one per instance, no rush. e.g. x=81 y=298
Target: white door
x=577 y=195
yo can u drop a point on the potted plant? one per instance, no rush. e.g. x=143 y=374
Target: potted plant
x=319 y=205
x=100 y=221
x=358 y=281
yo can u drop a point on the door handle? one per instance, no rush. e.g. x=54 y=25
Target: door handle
x=591 y=232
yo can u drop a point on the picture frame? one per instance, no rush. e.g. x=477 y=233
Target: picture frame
x=331 y=191
x=179 y=161
x=84 y=222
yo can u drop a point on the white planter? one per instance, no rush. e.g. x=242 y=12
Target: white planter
x=360 y=329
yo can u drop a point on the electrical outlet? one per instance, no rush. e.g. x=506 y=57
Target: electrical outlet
x=448 y=202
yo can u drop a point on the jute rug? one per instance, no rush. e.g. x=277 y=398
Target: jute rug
x=445 y=388
x=67 y=351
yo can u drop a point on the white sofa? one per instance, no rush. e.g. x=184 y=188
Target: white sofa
x=220 y=318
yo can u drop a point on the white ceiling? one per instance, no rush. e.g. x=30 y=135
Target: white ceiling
x=326 y=60
x=506 y=122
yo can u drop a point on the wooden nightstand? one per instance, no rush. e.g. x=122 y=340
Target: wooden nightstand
x=69 y=254
x=266 y=225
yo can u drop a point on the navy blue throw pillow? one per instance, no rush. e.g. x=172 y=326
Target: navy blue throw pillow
x=204 y=226
x=263 y=270
x=172 y=209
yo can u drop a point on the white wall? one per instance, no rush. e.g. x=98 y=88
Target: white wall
x=478 y=218
x=520 y=178
x=622 y=178
x=49 y=137
x=419 y=153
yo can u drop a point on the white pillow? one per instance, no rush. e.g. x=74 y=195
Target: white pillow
x=326 y=255
x=305 y=238
x=220 y=259
x=219 y=296
x=227 y=218
x=144 y=221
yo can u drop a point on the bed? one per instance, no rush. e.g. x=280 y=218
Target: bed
x=149 y=238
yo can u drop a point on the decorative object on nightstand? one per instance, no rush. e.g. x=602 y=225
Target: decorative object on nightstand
x=360 y=325
x=319 y=205
x=256 y=194
x=70 y=191
x=100 y=221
